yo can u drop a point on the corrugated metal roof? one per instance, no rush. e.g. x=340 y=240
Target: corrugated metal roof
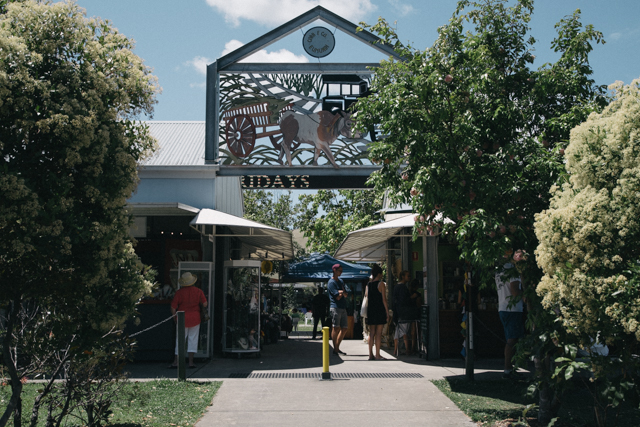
x=180 y=143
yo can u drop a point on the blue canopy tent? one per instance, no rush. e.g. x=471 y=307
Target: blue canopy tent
x=317 y=268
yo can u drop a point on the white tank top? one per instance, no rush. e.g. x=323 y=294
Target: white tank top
x=504 y=294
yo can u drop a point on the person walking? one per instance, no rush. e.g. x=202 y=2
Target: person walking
x=402 y=312
x=295 y=318
x=320 y=306
x=338 y=308
x=510 y=309
x=188 y=299
x=377 y=312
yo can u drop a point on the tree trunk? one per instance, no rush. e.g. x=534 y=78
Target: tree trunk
x=545 y=407
x=15 y=402
x=46 y=390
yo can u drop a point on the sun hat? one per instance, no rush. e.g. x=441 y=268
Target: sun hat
x=187 y=279
x=336 y=266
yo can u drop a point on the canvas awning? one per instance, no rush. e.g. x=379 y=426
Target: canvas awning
x=258 y=241
x=369 y=244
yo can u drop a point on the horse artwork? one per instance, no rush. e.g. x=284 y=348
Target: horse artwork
x=319 y=129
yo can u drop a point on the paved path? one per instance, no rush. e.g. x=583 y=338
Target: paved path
x=362 y=393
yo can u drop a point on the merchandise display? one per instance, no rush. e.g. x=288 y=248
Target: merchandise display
x=241 y=307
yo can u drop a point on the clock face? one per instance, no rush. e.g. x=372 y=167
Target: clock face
x=318 y=42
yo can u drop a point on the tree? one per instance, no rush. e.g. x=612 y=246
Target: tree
x=71 y=91
x=326 y=217
x=473 y=134
x=589 y=247
x=270 y=208
x=274 y=209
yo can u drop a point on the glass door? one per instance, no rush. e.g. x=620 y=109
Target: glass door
x=241 y=307
x=204 y=272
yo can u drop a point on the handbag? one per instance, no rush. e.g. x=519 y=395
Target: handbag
x=204 y=314
x=364 y=307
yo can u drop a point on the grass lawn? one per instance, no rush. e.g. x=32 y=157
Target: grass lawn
x=498 y=403
x=145 y=403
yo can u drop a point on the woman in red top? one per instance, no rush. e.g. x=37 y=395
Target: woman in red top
x=188 y=299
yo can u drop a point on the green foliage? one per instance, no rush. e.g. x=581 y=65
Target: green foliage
x=71 y=94
x=487 y=402
x=475 y=135
x=151 y=403
x=289 y=295
x=275 y=209
x=590 y=247
x=495 y=403
x=271 y=208
x=325 y=218
x=5 y=3
x=472 y=132
x=590 y=237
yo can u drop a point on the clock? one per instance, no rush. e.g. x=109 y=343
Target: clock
x=318 y=42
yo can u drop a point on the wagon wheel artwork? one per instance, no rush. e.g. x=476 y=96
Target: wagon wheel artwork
x=241 y=135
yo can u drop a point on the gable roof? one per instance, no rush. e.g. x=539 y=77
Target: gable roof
x=295 y=24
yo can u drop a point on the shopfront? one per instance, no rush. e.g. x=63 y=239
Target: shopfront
x=177 y=187
x=435 y=264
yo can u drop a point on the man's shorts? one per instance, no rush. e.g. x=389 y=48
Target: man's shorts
x=512 y=324
x=339 y=317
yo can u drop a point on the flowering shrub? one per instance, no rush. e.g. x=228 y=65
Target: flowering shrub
x=591 y=234
x=589 y=250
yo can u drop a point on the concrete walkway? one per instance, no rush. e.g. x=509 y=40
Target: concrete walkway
x=281 y=388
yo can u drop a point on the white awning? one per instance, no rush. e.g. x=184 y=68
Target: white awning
x=258 y=241
x=369 y=244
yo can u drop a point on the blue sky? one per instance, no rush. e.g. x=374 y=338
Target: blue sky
x=178 y=39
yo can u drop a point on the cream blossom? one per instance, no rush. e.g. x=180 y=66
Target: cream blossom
x=591 y=233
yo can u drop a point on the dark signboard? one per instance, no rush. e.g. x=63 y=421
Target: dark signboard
x=302 y=182
x=300 y=177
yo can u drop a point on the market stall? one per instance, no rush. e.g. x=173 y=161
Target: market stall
x=318 y=268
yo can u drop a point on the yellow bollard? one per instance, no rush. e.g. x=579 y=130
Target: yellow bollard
x=326 y=375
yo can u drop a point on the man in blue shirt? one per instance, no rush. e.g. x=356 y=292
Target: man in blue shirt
x=338 y=308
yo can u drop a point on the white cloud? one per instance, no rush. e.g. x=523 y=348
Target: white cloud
x=282 y=55
x=403 y=9
x=200 y=64
x=625 y=34
x=277 y=12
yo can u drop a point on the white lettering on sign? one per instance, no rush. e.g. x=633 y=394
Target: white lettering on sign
x=265 y=181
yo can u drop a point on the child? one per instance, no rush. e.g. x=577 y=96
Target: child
x=295 y=318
